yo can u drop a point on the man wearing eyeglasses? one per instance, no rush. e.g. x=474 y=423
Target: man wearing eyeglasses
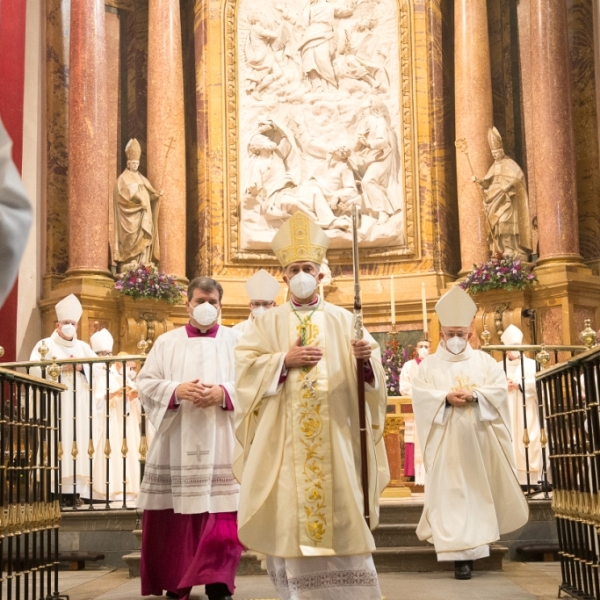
x=262 y=289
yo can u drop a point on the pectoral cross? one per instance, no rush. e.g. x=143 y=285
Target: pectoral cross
x=198 y=453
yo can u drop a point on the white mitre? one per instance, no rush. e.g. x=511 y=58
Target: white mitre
x=512 y=336
x=456 y=308
x=69 y=309
x=102 y=341
x=262 y=286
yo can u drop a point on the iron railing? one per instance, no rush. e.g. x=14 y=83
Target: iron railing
x=570 y=393
x=29 y=494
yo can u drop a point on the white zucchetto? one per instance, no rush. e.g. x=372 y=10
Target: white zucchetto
x=69 y=309
x=456 y=308
x=262 y=286
x=102 y=341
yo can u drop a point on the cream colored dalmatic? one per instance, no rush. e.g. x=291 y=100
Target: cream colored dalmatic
x=188 y=467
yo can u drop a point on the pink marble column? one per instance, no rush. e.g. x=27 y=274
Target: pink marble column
x=474 y=116
x=166 y=130
x=552 y=133
x=88 y=140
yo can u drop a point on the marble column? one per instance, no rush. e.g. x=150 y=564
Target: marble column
x=552 y=133
x=474 y=116
x=166 y=130
x=88 y=140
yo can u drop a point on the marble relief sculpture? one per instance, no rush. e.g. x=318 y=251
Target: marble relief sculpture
x=319 y=112
x=136 y=213
x=506 y=203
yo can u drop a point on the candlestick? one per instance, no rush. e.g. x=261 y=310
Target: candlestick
x=424 y=307
x=392 y=300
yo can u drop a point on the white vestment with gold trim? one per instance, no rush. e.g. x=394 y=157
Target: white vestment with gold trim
x=471 y=493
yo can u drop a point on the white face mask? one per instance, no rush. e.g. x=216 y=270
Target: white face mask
x=303 y=285
x=456 y=345
x=423 y=352
x=68 y=330
x=259 y=310
x=205 y=314
x=131 y=373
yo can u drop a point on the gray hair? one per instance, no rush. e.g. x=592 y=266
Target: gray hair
x=206 y=284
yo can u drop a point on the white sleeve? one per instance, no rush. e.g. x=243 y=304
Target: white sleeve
x=487 y=411
x=275 y=386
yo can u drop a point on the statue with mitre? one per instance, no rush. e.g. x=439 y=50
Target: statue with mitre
x=506 y=203
x=136 y=214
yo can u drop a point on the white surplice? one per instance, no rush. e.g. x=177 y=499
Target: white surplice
x=76 y=401
x=472 y=494
x=515 y=397
x=188 y=468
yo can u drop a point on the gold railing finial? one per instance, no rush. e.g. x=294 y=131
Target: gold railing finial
x=142 y=345
x=53 y=369
x=486 y=336
x=43 y=349
x=543 y=357
x=588 y=335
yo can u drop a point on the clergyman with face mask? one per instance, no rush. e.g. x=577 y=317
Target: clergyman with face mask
x=188 y=493
x=297 y=426
x=262 y=289
x=460 y=401
x=64 y=343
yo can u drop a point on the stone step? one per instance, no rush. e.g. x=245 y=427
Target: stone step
x=413 y=559
x=400 y=511
x=397 y=534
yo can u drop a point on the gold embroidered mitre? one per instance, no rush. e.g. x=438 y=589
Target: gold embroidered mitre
x=300 y=239
x=133 y=150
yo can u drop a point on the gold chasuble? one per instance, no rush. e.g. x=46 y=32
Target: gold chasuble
x=299 y=455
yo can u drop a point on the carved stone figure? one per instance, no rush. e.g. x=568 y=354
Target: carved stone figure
x=377 y=160
x=136 y=213
x=506 y=202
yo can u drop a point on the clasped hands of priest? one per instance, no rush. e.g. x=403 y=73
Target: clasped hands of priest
x=459 y=398
x=307 y=356
x=200 y=394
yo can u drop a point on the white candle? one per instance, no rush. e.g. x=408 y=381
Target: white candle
x=424 y=307
x=321 y=291
x=392 y=300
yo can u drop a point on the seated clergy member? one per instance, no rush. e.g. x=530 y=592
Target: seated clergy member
x=188 y=493
x=461 y=408
x=262 y=289
x=513 y=336
x=78 y=413
x=297 y=424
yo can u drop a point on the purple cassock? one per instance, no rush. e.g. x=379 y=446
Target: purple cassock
x=180 y=551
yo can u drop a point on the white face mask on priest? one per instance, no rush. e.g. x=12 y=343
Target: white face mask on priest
x=204 y=307
x=303 y=279
x=456 y=338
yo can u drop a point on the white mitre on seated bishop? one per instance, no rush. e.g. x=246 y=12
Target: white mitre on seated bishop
x=300 y=239
x=512 y=336
x=262 y=286
x=456 y=308
x=102 y=341
x=69 y=309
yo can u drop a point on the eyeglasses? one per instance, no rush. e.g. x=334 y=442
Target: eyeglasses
x=257 y=304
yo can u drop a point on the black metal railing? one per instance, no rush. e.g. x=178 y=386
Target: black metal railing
x=570 y=393
x=103 y=433
x=29 y=495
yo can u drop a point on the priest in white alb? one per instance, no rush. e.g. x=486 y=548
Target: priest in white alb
x=522 y=394
x=460 y=400
x=262 y=289
x=78 y=419
x=297 y=426
x=188 y=492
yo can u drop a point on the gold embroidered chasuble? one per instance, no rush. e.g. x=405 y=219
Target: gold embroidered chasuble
x=299 y=454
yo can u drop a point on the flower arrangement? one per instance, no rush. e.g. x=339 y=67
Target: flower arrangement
x=498 y=273
x=145 y=281
x=394 y=356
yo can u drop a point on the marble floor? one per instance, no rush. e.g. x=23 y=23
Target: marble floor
x=518 y=581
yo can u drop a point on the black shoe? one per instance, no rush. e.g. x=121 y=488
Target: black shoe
x=217 y=591
x=462 y=569
x=172 y=594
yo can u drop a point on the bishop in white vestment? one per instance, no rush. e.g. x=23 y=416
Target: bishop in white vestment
x=297 y=425
x=513 y=336
x=188 y=493
x=78 y=419
x=262 y=289
x=460 y=401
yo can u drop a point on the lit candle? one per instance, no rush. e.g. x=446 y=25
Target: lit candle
x=321 y=291
x=424 y=306
x=392 y=300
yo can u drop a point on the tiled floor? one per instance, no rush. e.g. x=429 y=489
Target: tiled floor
x=518 y=581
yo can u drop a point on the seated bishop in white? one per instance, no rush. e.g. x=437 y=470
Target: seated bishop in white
x=460 y=400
